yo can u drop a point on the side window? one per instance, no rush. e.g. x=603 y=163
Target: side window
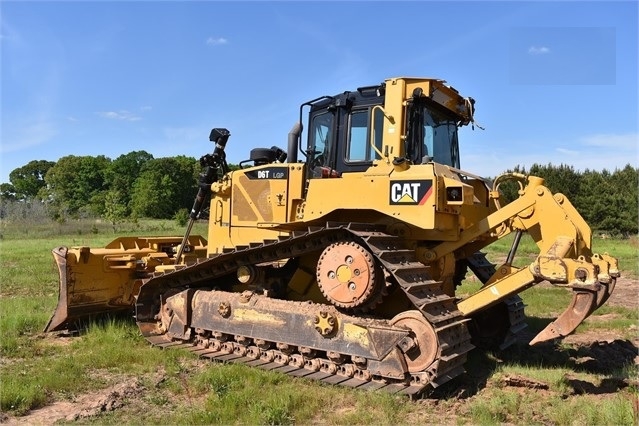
x=321 y=129
x=357 y=138
x=429 y=135
x=379 y=119
x=359 y=148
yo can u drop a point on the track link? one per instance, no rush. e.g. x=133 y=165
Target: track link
x=429 y=298
x=211 y=331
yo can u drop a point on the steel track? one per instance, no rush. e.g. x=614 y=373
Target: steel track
x=400 y=263
x=514 y=314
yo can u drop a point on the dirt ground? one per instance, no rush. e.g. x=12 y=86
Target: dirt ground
x=598 y=351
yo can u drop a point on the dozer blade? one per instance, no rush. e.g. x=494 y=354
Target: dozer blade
x=61 y=314
x=584 y=302
x=105 y=281
x=84 y=292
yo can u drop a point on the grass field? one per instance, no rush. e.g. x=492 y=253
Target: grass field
x=584 y=381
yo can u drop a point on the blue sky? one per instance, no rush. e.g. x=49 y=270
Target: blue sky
x=555 y=82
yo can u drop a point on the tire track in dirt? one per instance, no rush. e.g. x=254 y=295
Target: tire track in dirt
x=87 y=405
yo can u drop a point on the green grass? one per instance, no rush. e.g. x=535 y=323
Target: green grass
x=234 y=396
x=618 y=318
x=554 y=377
x=36 y=370
x=39 y=369
x=28 y=296
x=86 y=229
x=21 y=318
x=497 y=403
x=614 y=411
x=231 y=397
x=500 y=406
x=544 y=302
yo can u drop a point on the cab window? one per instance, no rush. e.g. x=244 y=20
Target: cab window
x=359 y=148
x=320 y=143
x=440 y=139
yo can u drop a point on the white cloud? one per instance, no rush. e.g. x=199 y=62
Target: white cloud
x=567 y=151
x=183 y=134
x=28 y=136
x=119 y=115
x=629 y=141
x=10 y=35
x=593 y=152
x=212 y=41
x=535 y=50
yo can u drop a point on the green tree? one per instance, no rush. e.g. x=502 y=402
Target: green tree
x=122 y=174
x=28 y=180
x=78 y=184
x=164 y=186
x=614 y=198
x=181 y=217
x=7 y=192
x=561 y=178
x=609 y=202
x=115 y=209
x=509 y=188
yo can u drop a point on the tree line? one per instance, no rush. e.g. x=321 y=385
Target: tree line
x=133 y=185
x=136 y=185
x=608 y=201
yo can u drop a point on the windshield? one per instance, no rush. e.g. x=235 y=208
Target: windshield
x=440 y=139
x=431 y=136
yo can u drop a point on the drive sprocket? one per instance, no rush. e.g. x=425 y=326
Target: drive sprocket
x=347 y=275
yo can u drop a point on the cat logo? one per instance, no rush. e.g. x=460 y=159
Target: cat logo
x=410 y=192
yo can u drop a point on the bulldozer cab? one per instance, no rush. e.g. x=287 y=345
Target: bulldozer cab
x=349 y=132
x=340 y=132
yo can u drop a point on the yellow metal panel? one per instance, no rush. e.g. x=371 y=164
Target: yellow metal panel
x=497 y=291
x=296 y=183
x=393 y=107
x=219 y=222
x=260 y=194
x=243 y=235
x=408 y=197
x=258 y=317
x=356 y=333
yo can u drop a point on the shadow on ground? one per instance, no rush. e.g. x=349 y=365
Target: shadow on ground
x=608 y=358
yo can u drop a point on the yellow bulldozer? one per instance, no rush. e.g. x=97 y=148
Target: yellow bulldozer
x=342 y=266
